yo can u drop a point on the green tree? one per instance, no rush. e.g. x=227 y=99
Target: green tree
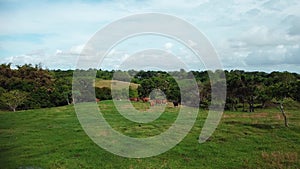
x=234 y=84
x=283 y=89
x=133 y=93
x=264 y=96
x=14 y=98
x=296 y=90
x=103 y=93
x=147 y=85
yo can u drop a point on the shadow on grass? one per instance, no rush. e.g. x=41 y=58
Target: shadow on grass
x=264 y=126
x=255 y=125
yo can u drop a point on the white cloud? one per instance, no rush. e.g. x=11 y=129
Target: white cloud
x=168 y=45
x=280 y=55
x=58 y=52
x=262 y=35
x=191 y=43
x=76 y=49
x=55 y=32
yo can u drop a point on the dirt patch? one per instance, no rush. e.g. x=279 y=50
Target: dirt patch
x=228 y=116
x=276 y=116
x=256 y=115
x=250 y=115
x=278 y=159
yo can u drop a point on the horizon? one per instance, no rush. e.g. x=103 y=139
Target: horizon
x=99 y=69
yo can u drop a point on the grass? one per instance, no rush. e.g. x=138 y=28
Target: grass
x=115 y=83
x=53 y=138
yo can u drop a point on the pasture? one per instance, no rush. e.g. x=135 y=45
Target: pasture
x=53 y=138
x=114 y=83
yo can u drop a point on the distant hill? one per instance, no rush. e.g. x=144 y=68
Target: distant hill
x=117 y=84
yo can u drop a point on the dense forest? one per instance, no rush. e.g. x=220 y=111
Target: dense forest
x=29 y=87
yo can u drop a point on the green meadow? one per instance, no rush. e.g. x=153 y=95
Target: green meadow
x=54 y=138
x=114 y=83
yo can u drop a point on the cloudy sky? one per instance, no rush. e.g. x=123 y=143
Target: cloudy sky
x=250 y=34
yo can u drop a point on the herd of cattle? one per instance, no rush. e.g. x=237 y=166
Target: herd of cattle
x=152 y=102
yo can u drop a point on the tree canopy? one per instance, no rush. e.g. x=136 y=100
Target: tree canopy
x=245 y=90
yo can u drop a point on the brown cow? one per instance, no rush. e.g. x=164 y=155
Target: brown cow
x=133 y=99
x=146 y=99
x=158 y=101
x=152 y=102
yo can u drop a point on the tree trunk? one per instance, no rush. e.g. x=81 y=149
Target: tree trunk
x=263 y=104
x=243 y=105
x=284 y=115
x=251 y=107
x=233 y=107
x=68 y=101
x=251 y=104
x=13 y=108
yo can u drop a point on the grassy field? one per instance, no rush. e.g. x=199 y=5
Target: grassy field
x=115 y=83
x=53 y=138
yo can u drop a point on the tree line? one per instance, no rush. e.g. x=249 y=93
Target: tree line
x=31 y=86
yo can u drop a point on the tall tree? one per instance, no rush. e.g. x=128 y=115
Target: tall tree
x=282 y=89
x=234 y=85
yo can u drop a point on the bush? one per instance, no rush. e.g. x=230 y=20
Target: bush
x=103 y=93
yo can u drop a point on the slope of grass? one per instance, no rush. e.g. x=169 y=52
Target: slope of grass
x=53 y=138
x=115 y=83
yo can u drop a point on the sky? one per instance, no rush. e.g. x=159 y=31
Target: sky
x=252 y=35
